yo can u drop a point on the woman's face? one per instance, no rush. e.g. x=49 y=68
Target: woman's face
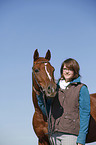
x=68 y=74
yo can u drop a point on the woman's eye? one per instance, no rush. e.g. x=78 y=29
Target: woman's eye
x=36 y=70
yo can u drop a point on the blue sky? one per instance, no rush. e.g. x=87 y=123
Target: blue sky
x=67 y=28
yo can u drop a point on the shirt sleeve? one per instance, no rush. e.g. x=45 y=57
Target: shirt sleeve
x=42 y=105
x=84 y=110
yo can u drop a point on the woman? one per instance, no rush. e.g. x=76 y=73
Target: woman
x=70 y=110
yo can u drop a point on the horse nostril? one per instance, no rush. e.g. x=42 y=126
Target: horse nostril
x=49 y=88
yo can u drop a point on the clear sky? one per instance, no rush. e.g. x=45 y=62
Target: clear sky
x=67 y=28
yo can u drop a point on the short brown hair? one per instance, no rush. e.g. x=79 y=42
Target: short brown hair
x=71 y=64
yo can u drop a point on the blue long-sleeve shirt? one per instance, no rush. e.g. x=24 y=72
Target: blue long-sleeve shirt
x=41 y=104
x=84 y=110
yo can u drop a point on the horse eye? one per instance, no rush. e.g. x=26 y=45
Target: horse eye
x=36 y=70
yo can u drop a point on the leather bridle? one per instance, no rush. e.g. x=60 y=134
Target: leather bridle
x=41 y=89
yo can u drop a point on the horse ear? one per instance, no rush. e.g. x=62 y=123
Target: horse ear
x=36 y=55
x=48 y=55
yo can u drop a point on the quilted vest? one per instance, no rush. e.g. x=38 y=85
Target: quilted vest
x=64 y=113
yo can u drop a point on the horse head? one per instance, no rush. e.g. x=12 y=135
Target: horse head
x=43 y=74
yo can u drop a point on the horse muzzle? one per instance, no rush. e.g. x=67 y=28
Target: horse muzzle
x=50 y=91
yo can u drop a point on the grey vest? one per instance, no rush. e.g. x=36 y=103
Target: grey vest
x=64 y=113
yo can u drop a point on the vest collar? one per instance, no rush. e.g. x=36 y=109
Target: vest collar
x=74 y=82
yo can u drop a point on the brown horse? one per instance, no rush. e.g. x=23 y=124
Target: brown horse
x=43 y=81
x=91 y=136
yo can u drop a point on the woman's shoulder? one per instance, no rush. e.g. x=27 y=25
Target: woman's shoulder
x=84 y=90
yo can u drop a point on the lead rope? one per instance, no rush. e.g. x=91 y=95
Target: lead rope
x=48 y=120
